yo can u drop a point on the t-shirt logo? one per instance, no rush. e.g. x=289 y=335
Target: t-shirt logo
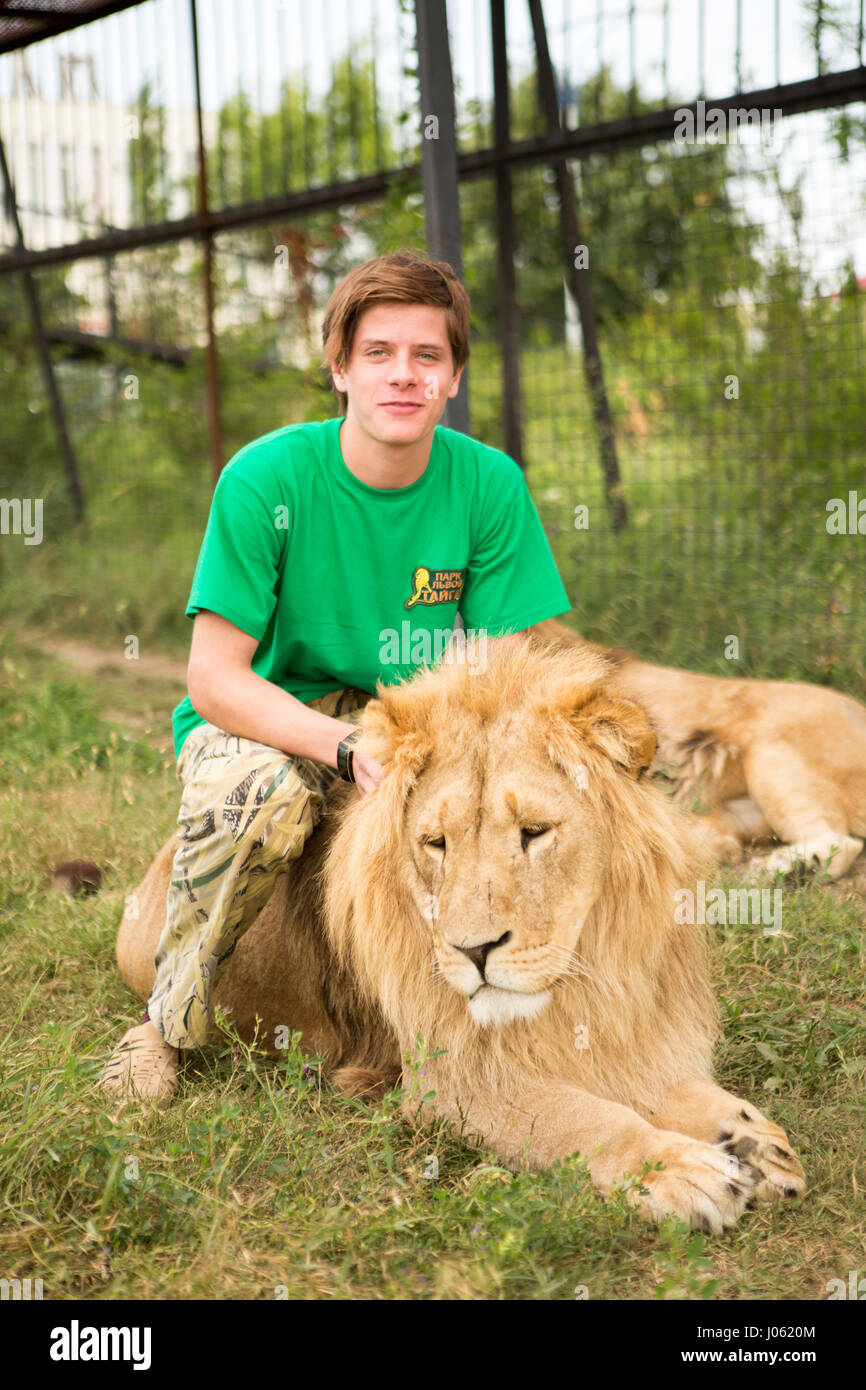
x=435 y=586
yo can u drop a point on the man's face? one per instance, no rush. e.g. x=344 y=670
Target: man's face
x=400 y=373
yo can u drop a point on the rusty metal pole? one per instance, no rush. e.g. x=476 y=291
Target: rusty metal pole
x=211 y=365
x=54 y=396
x=579 y=279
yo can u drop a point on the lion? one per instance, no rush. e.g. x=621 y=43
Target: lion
x=495 y=926
x=764 y=759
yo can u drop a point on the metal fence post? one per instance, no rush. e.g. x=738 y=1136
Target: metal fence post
x=579 y=280
x=439 y=162
x=509 y=325
x=213 y=382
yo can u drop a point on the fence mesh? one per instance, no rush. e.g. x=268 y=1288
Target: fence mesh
x=727 y=277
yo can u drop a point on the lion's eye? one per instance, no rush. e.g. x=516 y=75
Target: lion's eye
x=532 y=832
x=436 y=843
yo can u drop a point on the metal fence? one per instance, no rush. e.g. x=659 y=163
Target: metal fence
x=661 y=225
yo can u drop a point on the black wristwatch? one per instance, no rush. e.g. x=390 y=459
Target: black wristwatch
x=346 y=755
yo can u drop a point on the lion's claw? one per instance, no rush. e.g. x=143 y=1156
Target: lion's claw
x=762 y=1146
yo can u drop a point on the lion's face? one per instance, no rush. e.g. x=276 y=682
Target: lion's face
x=507 y=861
x=493 y=828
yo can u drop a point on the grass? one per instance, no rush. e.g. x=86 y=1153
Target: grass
x=260 y=1182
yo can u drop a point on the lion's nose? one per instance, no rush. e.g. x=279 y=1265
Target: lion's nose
x=478 y=954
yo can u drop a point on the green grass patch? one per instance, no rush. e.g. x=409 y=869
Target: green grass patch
x=260 y=1182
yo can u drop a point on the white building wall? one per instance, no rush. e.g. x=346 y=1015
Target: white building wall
x=70 y=163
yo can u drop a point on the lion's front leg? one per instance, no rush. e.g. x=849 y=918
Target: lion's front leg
x=707 y=1112
x=534 y=1128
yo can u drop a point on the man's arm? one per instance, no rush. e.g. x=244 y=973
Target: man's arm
x=226 y=692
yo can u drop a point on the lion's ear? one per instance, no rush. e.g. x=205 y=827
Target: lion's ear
x=392 y=734
x=620 y=730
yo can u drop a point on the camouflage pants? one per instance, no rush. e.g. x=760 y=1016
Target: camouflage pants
x=246 y=812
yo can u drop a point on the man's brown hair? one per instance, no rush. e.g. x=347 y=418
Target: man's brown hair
x=405 y=277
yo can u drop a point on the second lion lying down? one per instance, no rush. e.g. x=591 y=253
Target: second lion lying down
x=762 y=758
x=507 y=896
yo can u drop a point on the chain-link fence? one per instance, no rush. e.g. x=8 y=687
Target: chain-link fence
x=726 y=264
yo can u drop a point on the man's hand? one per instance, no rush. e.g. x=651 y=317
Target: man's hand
x=368 y=773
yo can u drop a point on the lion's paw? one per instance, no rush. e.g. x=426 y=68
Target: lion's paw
x=832 y=853
x=762 y=1146
x=699 y=1183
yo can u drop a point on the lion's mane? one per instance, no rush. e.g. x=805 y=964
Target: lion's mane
x=642 y=992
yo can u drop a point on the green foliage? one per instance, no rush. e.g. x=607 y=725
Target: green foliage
x=685 y=1264
x=148 y=161
x=643 y=214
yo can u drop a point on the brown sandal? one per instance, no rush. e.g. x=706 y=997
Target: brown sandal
x=142 y=1065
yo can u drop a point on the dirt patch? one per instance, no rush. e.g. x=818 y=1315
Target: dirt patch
x=135 y=694
x=90 y=660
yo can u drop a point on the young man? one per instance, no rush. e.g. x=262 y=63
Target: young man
x=335 y=552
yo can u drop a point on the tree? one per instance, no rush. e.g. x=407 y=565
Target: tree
x=643 y=212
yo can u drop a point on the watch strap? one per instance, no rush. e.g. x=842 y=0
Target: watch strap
x=346 y=755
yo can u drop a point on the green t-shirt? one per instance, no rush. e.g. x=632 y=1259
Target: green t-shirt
x=343 y=584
